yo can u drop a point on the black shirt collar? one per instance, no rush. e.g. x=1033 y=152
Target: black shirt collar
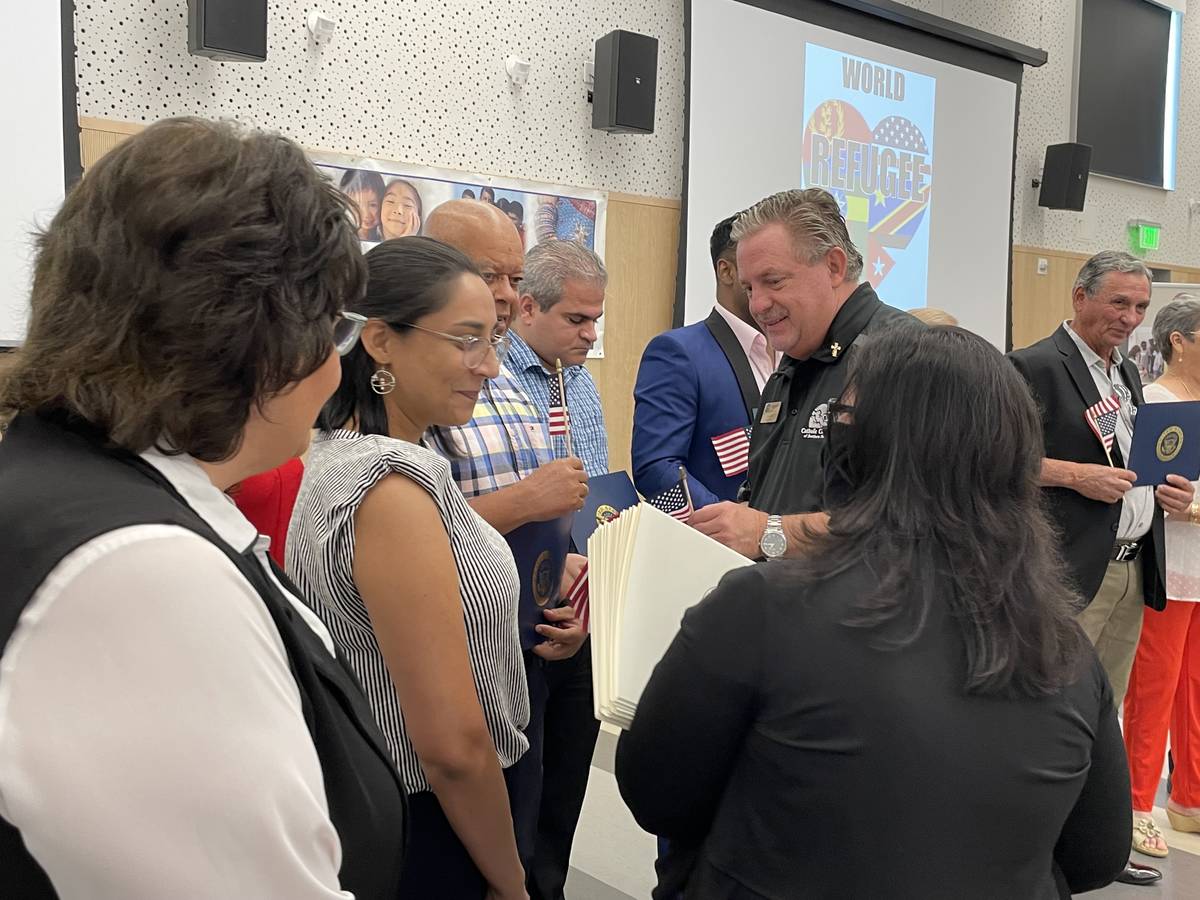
x=849 y=322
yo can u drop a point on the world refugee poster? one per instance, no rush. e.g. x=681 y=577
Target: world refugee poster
x=868 y=140
x=395 y=199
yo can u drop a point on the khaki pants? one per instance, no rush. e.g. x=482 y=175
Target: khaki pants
x=1113 y=622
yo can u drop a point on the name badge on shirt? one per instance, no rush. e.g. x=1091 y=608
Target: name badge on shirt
x=770 y=412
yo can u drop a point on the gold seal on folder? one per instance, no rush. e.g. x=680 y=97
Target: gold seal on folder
x=542 y=578
x=1170 y=442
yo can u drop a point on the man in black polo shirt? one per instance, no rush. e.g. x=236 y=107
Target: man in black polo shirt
x=802 y=272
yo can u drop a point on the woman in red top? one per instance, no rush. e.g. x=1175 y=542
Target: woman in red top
x=267 y=500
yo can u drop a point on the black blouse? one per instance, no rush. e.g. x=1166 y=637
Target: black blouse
x=784 y=756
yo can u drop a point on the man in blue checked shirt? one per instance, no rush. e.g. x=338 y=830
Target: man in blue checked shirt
x=561 y=299
x=502 y=459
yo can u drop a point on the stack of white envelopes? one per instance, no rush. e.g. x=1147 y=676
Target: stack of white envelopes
x=645 y=569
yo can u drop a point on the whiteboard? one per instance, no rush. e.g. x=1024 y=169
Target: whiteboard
x=31 y=66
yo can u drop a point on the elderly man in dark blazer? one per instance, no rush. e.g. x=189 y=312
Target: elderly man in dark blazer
x=1111 y=532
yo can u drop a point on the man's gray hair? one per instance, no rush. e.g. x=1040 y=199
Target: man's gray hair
x=551 y=264
x=1102 y=263
x=813 y=219
x=1182 y=314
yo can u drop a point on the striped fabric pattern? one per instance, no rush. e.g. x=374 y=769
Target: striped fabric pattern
x=733 y=451
x=342 y=467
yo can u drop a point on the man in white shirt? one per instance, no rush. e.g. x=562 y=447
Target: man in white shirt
x=1111 y=532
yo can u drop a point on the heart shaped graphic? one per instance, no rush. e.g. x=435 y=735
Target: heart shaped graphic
x=883 y=188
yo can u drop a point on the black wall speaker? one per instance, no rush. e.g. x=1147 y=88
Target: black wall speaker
x=626 y=82
x=228 y=29
x=1065 y=176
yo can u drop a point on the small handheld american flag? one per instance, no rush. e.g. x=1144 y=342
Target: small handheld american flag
x=577 y=596
x=674 y=503
x=1102 y=419
x=733 y=451
x=558 y=407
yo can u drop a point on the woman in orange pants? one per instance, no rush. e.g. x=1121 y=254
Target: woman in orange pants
x=1164 y=688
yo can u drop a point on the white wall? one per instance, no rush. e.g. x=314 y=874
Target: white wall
x=1046 y=102
x=31 y=58
x=423 y=81
x=419 y=81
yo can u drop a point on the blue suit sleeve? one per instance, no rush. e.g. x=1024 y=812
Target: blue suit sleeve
x=665 y=404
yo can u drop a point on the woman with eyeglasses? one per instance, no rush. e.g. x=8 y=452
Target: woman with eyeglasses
x=418 y=590
x=175 y=721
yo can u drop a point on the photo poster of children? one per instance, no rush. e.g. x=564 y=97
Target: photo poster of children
x=394 y=200
x=1143 y=351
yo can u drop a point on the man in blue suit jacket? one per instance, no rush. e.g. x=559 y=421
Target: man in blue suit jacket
x=698 y=383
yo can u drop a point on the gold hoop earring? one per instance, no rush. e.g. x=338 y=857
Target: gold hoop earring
x=383 y=382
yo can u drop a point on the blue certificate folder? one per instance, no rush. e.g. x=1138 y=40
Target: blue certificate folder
x=607 y=496
x=540 y=551
x=1166 y=441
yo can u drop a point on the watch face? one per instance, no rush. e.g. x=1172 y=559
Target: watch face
x=773 y=544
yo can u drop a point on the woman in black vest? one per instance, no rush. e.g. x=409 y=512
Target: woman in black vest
x=175 y=722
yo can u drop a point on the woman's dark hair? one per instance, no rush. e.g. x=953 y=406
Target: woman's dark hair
x=408 y=278
x=195 y=271
x=941 y=456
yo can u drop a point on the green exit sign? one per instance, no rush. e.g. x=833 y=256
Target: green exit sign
x=1144 y=236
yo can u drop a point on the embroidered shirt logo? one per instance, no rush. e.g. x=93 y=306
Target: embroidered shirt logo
x=818 y=421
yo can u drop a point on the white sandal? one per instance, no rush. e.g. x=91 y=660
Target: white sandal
x=1144 y=832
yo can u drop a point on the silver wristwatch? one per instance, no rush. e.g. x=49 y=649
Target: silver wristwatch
x=773 y=543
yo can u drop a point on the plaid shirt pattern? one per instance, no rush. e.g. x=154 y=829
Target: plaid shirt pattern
x=506 y=440
x=589 y=440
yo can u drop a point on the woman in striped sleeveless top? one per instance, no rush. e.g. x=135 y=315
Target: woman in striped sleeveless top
x=419 y=592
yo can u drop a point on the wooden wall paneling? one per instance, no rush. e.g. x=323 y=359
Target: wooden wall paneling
x=94 y=144
x=641 y=243
x=1041 y=302
x=1183 y=275
x=98 y=136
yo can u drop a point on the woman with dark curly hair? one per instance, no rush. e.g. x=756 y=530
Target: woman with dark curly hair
x=175 y=720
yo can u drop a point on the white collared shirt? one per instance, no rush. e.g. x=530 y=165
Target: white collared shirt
x=1137 y=507
x=152 y=741
x=763 y=360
